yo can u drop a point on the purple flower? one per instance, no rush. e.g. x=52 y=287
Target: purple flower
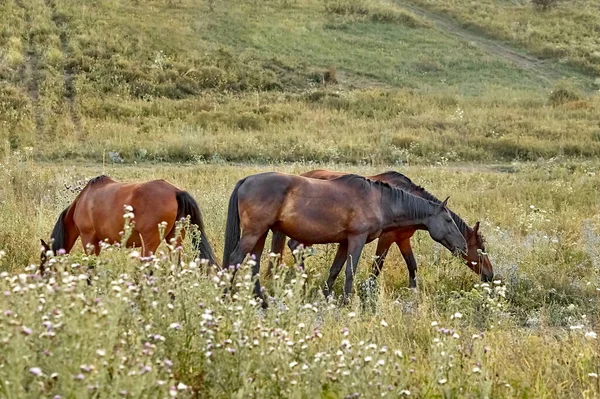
x=61 y=252
x=26 y=331
x=79 y=377
x=35 y=371
x=168 y=363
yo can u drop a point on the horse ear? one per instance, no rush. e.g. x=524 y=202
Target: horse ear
x=445 y=202
x=46 y=246
x=476 y=228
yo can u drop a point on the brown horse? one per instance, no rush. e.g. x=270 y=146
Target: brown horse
x=97 y=213
x=350 y=210
x=475 y=257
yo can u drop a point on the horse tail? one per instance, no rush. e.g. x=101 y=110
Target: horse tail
x=187 y=206
x=232 y=228
x=59 y=233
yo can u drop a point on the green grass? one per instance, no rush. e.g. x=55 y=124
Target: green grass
x=203 y=93
x=541 y=228
x=177 y=81
x=564 y=32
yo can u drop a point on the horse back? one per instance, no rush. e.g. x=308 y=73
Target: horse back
x=100 y=208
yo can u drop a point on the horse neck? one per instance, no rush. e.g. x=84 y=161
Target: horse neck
x=65 y=231
x=406 y=209
x=400 y=181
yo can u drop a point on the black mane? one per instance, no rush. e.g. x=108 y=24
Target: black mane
x=401 y=181
x=98 y=179
x=419 y=208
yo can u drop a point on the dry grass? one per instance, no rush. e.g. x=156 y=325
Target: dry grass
x=541 y=228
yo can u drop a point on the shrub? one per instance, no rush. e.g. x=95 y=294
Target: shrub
x=544 y=4
x=563 y=93
x=373 y=10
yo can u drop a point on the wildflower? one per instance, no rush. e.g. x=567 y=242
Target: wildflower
x=434 y=323
x=175 y=326
x=181 y=386
x=368 y=359
x=293 y=364
x=591 y=335
x=384 y=323
x=457 y=315
x=476 y=370
x=455 y=336
x=26 y=330
x=35 y=371
x=79 y=377
x=577 y=327
x=101 y=352
x=123 y=393
x=86 y=368
x=442 y=381
x=593 y=375
x=351 y=314
x=405 y=392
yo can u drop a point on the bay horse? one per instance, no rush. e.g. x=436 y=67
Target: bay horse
x=97 y=214
x=350 y=210
x=475 y=258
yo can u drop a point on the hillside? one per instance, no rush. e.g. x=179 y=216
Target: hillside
x=337 y=80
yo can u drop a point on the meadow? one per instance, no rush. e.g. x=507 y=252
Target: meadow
x=203 y=93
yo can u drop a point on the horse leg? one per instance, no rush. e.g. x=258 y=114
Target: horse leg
x=383 y=246
x=336 y=267
x=88 y=239
x=292 y=245
x=256 y=253
x=355 y=247
x=177 y=243
x=409 y=258
x=277 y=246
x=246 y=245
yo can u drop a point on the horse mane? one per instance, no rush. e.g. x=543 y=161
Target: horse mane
x=399 y=180
x=98 y=179
x=418 y=208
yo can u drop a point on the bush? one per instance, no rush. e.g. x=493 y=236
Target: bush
x=563 y=93
x=373 y=10
x=544 y=4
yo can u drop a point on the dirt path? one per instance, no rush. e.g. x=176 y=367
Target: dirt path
x=547 y=70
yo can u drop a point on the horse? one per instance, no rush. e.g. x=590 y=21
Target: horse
x=350 y=210
x=97 y=214
x=475 y=258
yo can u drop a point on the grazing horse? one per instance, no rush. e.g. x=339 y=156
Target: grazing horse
x=475 y=257
x=96 y=215
x=350 y=210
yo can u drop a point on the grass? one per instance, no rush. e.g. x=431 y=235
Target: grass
x=541 y=234
x=247 y=82
x=561 y=32
x=203 y=93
